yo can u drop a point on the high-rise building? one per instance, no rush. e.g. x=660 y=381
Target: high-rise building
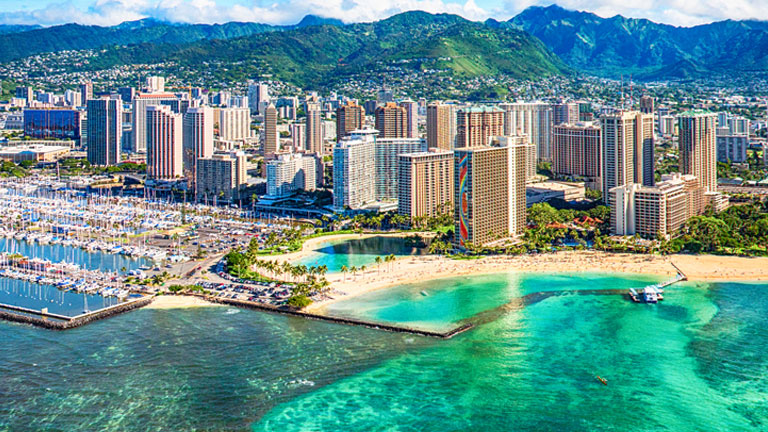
x=234 y=123
x=391 y=121
x=314 y=132
x=668 y=126
x=349 y=117
x=653 y=211
x=105 y=131
x=140 y=103
x=24 y=92
x=354 y=170
x=221 y=177
x=535 y=120
x=370 y=106
x=627 y=149
x=737 y=125
x=425 y=183
x=731 y=148
x=441 y=126
x=386 y=152
x=164 y=143
x=86 y=92
x=411 y=118
x=271 y=137
x=490 y=194
x=576 y=152
x=647 y=105
x=565 y=112
x=519 y=141
x=298 y=136
x=732 y=138
x=197 y=139
x=698 y=147
x=474 y=126
x=155 y=84
x=290 y=173
x=258 y=96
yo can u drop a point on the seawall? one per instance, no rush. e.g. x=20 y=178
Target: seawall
x=76 y=321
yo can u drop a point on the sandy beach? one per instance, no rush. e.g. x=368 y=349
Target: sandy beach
x=413 y=269
x=409 y=270
x=179 y=301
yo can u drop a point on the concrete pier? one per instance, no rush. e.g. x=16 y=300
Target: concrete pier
x=61 y=322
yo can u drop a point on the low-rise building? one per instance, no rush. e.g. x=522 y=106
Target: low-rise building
x=551 y=190
x=33 y=152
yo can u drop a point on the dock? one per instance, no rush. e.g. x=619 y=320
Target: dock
x=653 y=293
x=45 y=319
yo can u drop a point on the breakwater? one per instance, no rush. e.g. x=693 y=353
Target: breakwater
x=286 y=310
x=61 y=322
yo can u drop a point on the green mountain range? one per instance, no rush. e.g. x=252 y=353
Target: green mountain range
x=323 y=54
x=622 y=46
x=22 y=41
x=320 y=50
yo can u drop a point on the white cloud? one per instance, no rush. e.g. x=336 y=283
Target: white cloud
x=110 y=12
x=676 y=12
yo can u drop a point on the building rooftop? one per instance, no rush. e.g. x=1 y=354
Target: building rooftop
x=481 y=109
x=696 y=113
x=32 y=148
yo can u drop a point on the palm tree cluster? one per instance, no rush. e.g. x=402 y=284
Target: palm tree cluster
x=306 y=279
x=379 y=260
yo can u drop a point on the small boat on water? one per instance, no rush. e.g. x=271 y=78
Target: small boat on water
x=602 y=380
x=424 y=293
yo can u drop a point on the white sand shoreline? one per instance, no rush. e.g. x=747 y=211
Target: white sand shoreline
x=414 y=269
x=409 y=270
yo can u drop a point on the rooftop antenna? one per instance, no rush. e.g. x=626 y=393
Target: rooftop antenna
x=631 y=93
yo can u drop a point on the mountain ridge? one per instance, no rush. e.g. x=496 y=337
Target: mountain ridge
x=318 y=55
x=620 y=46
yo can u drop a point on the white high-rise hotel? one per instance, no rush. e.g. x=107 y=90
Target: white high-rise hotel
x=290 y=173
x=534 y=120
x=234 y=123
x=354 y=179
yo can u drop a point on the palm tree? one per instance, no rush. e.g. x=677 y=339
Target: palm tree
x=344 y=271
x=353 y=269
x=378 y=264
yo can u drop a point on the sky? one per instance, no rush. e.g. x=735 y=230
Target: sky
x=111 y=12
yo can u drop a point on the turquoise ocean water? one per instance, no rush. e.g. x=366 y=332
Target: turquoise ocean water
x=696 y=362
